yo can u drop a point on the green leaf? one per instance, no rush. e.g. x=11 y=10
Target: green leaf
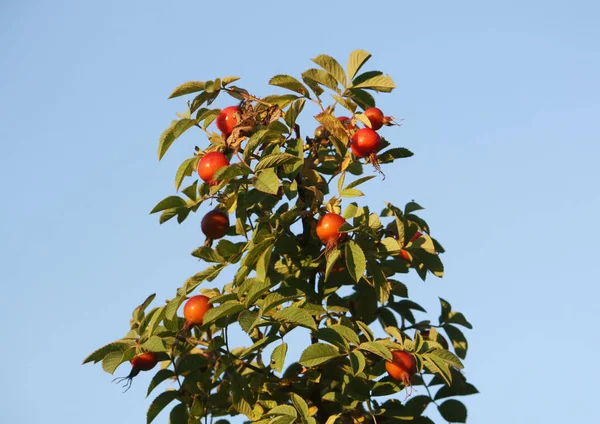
x=276 y=159
x=225 y=81
x=208 y=274
x=359 y=182
x=159 y=403
x=187 y=88
x=257 y=289
x=334 y=126
x=333 y=67
x=296 y=316
x=365 y=330
x=179 y=414
x=301 y=406
x=223 y=310
x=356 y=60
x=446 y=308
x=99 y=354
x=377 y=348
x=159 y=377
x=350 y=211
x=267 y=181
x=283 y=410
x=289 y=82
x=293 y=112
x=395 y=153
x=278 y=357
x=351 y=192
x=321 y=77
x=232 y=171
x=459 y=341
x=453 y=411
x=247 y=320
x=357 y=362
x=330 y=336
x=331 y=260
x=168 y=203
x=172 y=133
x=208 y=254
x=356 y=262
x=374 y=81
x=154 y=344
x=439 y=367
x=347 y=333
x=183 y=171
x=448 y=357
x=459 y=319
x=361 y=97
x=318 y=353
x=112 y=360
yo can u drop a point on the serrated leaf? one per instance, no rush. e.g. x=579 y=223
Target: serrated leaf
x=317 y=354
x=448 y=357
x=247 y=319
x=154 y=344
x=172 y=133
x=351 y=192
x=179 y=414
x=278 y=357
x=394 y=153
x=458 y=339
x=332 y=67
x=331 y=260
x=453 y=411
x=225 y=81
x=187 y=88
x=365 y=330
x=257 y=289
x=377 y=348
x=182 y=172
x=208 y=254
x=350 y=211
x=117 y=346
x=159 y=377
x=357 y=362
x=382 y=83
x=334 y=126
x=168 y=203
x=276 y=159
x=296 y=316
x=111 y=361
x=283 y=410
x=267 y=181
x=356 y=60
x=459 y=319
x=232 y=171
x=159 y=403
x=223 y=310
x=361 y=97
x=289 y=82
x=437 y=366
x=347 y=333
x=321 y=77
x=356 y=262
x=293 y=112
x=301 y=406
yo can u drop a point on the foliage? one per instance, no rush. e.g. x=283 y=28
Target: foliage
x=277 y=186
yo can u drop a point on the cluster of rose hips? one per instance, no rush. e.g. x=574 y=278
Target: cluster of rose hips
x=215 y=224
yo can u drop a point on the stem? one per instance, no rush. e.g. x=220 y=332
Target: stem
x=428 y=391
x=371 y=411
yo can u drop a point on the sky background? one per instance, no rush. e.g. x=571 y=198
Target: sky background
x=500 y=102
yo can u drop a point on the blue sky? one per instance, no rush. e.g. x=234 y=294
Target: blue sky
x=500 y=103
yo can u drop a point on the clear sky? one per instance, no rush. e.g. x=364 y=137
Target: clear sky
x=501 y=105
